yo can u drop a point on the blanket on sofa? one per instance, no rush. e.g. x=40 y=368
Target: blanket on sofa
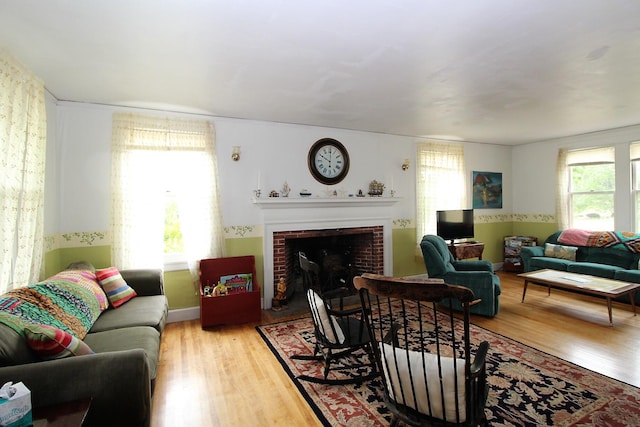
x=71 y=301
x=624 y=240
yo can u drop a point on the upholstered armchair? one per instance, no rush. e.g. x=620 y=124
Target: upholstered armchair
x=475 y=275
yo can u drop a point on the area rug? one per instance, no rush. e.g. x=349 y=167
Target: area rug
x=527 y=387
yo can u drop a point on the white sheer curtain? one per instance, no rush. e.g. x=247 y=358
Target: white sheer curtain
x=23 y=129
x=441 y=183
x=562 y=191
x=153 y=155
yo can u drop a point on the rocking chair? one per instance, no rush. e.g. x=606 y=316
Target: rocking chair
x=339 y=335
x=430 y=377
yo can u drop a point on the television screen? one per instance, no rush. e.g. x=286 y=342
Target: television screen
x=455 y=224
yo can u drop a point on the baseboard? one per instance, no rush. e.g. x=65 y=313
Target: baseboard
x=183 y=314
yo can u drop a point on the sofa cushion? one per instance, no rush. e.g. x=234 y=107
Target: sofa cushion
x=560 y=251
x=143 y=337
x=140 y=311
x=117 y=290
x=540 y=262
x=593 y=269
x=52 y=343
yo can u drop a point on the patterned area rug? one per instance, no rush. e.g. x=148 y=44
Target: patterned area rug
x=527 y=387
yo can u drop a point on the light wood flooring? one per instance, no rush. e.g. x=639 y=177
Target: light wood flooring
x=226 y=376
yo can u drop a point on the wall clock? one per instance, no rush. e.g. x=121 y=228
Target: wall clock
x=328 y=161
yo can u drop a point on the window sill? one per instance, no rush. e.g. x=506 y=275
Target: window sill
x=176 y=266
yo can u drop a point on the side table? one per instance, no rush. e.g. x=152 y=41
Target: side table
x=68 y=414
x=466 y=250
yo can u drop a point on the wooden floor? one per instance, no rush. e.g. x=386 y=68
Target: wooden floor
x=226 y=376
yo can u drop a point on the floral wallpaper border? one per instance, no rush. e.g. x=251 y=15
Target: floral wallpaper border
x=103 y=238
x=77 y=239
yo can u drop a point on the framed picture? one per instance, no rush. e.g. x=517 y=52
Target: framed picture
x=487 y=190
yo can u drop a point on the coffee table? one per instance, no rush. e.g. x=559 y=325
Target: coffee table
x=592 y=285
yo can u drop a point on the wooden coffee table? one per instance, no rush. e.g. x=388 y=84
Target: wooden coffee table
x=592 y=285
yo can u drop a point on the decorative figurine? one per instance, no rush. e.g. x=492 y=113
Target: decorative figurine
x=285 y=190
x=279 y=302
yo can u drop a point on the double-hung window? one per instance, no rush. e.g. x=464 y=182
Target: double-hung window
x=635 y=179
x=591 y=183
x=165 y=202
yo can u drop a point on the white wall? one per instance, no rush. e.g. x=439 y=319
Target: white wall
x=534 y=177
x=278 y=151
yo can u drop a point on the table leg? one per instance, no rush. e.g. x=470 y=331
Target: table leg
x=632 y=297
x=610 y=311
x=524 y=291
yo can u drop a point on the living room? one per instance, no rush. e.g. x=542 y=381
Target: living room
x=274 y=151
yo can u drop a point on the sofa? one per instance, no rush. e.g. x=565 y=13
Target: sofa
x=477 y=275
x=606 y=256
x=114 y=363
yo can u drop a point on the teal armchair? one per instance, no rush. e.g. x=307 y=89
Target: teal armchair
x=475 y=275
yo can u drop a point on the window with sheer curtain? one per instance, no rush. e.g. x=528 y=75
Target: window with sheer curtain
x=586 y=188
x=440 y=185
x=164 y=167
x=635 y=179
x=23 y=137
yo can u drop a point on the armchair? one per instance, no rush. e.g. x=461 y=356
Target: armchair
x=475 y=275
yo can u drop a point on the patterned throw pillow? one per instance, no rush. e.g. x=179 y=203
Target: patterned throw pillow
x=559 y=251
x=53 y=343
x=114 y=286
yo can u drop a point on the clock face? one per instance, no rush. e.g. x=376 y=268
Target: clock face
x=328 y=161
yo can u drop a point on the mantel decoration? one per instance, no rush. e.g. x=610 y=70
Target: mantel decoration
x=376 y=188
x=487 y=190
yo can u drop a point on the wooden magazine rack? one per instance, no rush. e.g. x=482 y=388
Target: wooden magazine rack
x=228 y=309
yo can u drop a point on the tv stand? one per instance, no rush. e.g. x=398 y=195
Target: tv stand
x=466 y=250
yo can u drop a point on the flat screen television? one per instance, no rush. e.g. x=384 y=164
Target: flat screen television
x=455 y=224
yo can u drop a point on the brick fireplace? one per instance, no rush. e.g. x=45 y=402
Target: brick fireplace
x=366 y=245
x=294 y=219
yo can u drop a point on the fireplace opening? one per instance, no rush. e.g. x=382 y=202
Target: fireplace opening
x=341 y=254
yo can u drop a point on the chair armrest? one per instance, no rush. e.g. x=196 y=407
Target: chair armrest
x=480 y=358
x=479 y=265
x=145 y=281
x=528 y=252
x=471 y=279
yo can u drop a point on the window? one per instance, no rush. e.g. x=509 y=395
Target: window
x=591 y=188
x=165 y=205
x=635 y=184
x=440 y=183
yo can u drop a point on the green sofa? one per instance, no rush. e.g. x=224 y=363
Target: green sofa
x=119 y=377
x=610 y=263
x=475 y=275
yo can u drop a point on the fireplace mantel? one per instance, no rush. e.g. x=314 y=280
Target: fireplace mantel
x=323 y=202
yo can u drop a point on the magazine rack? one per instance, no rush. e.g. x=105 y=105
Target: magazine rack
x=228 y=309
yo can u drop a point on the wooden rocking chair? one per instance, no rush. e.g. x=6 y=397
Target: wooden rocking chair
x=430 y=377
x=339 y=334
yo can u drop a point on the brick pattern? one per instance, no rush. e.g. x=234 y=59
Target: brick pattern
x=368 y=248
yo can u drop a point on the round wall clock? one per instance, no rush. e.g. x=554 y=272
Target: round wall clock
x=328 y=161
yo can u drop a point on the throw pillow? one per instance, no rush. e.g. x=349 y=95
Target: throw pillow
x=559 y=251
x=52 y=343
x=323 y=320
x=117 y=290
x=404 y=370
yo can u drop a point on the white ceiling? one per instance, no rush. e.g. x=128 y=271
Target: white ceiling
x=492 y=71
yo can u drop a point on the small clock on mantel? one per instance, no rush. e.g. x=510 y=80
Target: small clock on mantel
x=328 y=161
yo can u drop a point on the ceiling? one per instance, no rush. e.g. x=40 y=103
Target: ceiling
x=490 y=71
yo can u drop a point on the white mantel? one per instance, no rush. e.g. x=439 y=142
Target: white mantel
x=293 y=213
